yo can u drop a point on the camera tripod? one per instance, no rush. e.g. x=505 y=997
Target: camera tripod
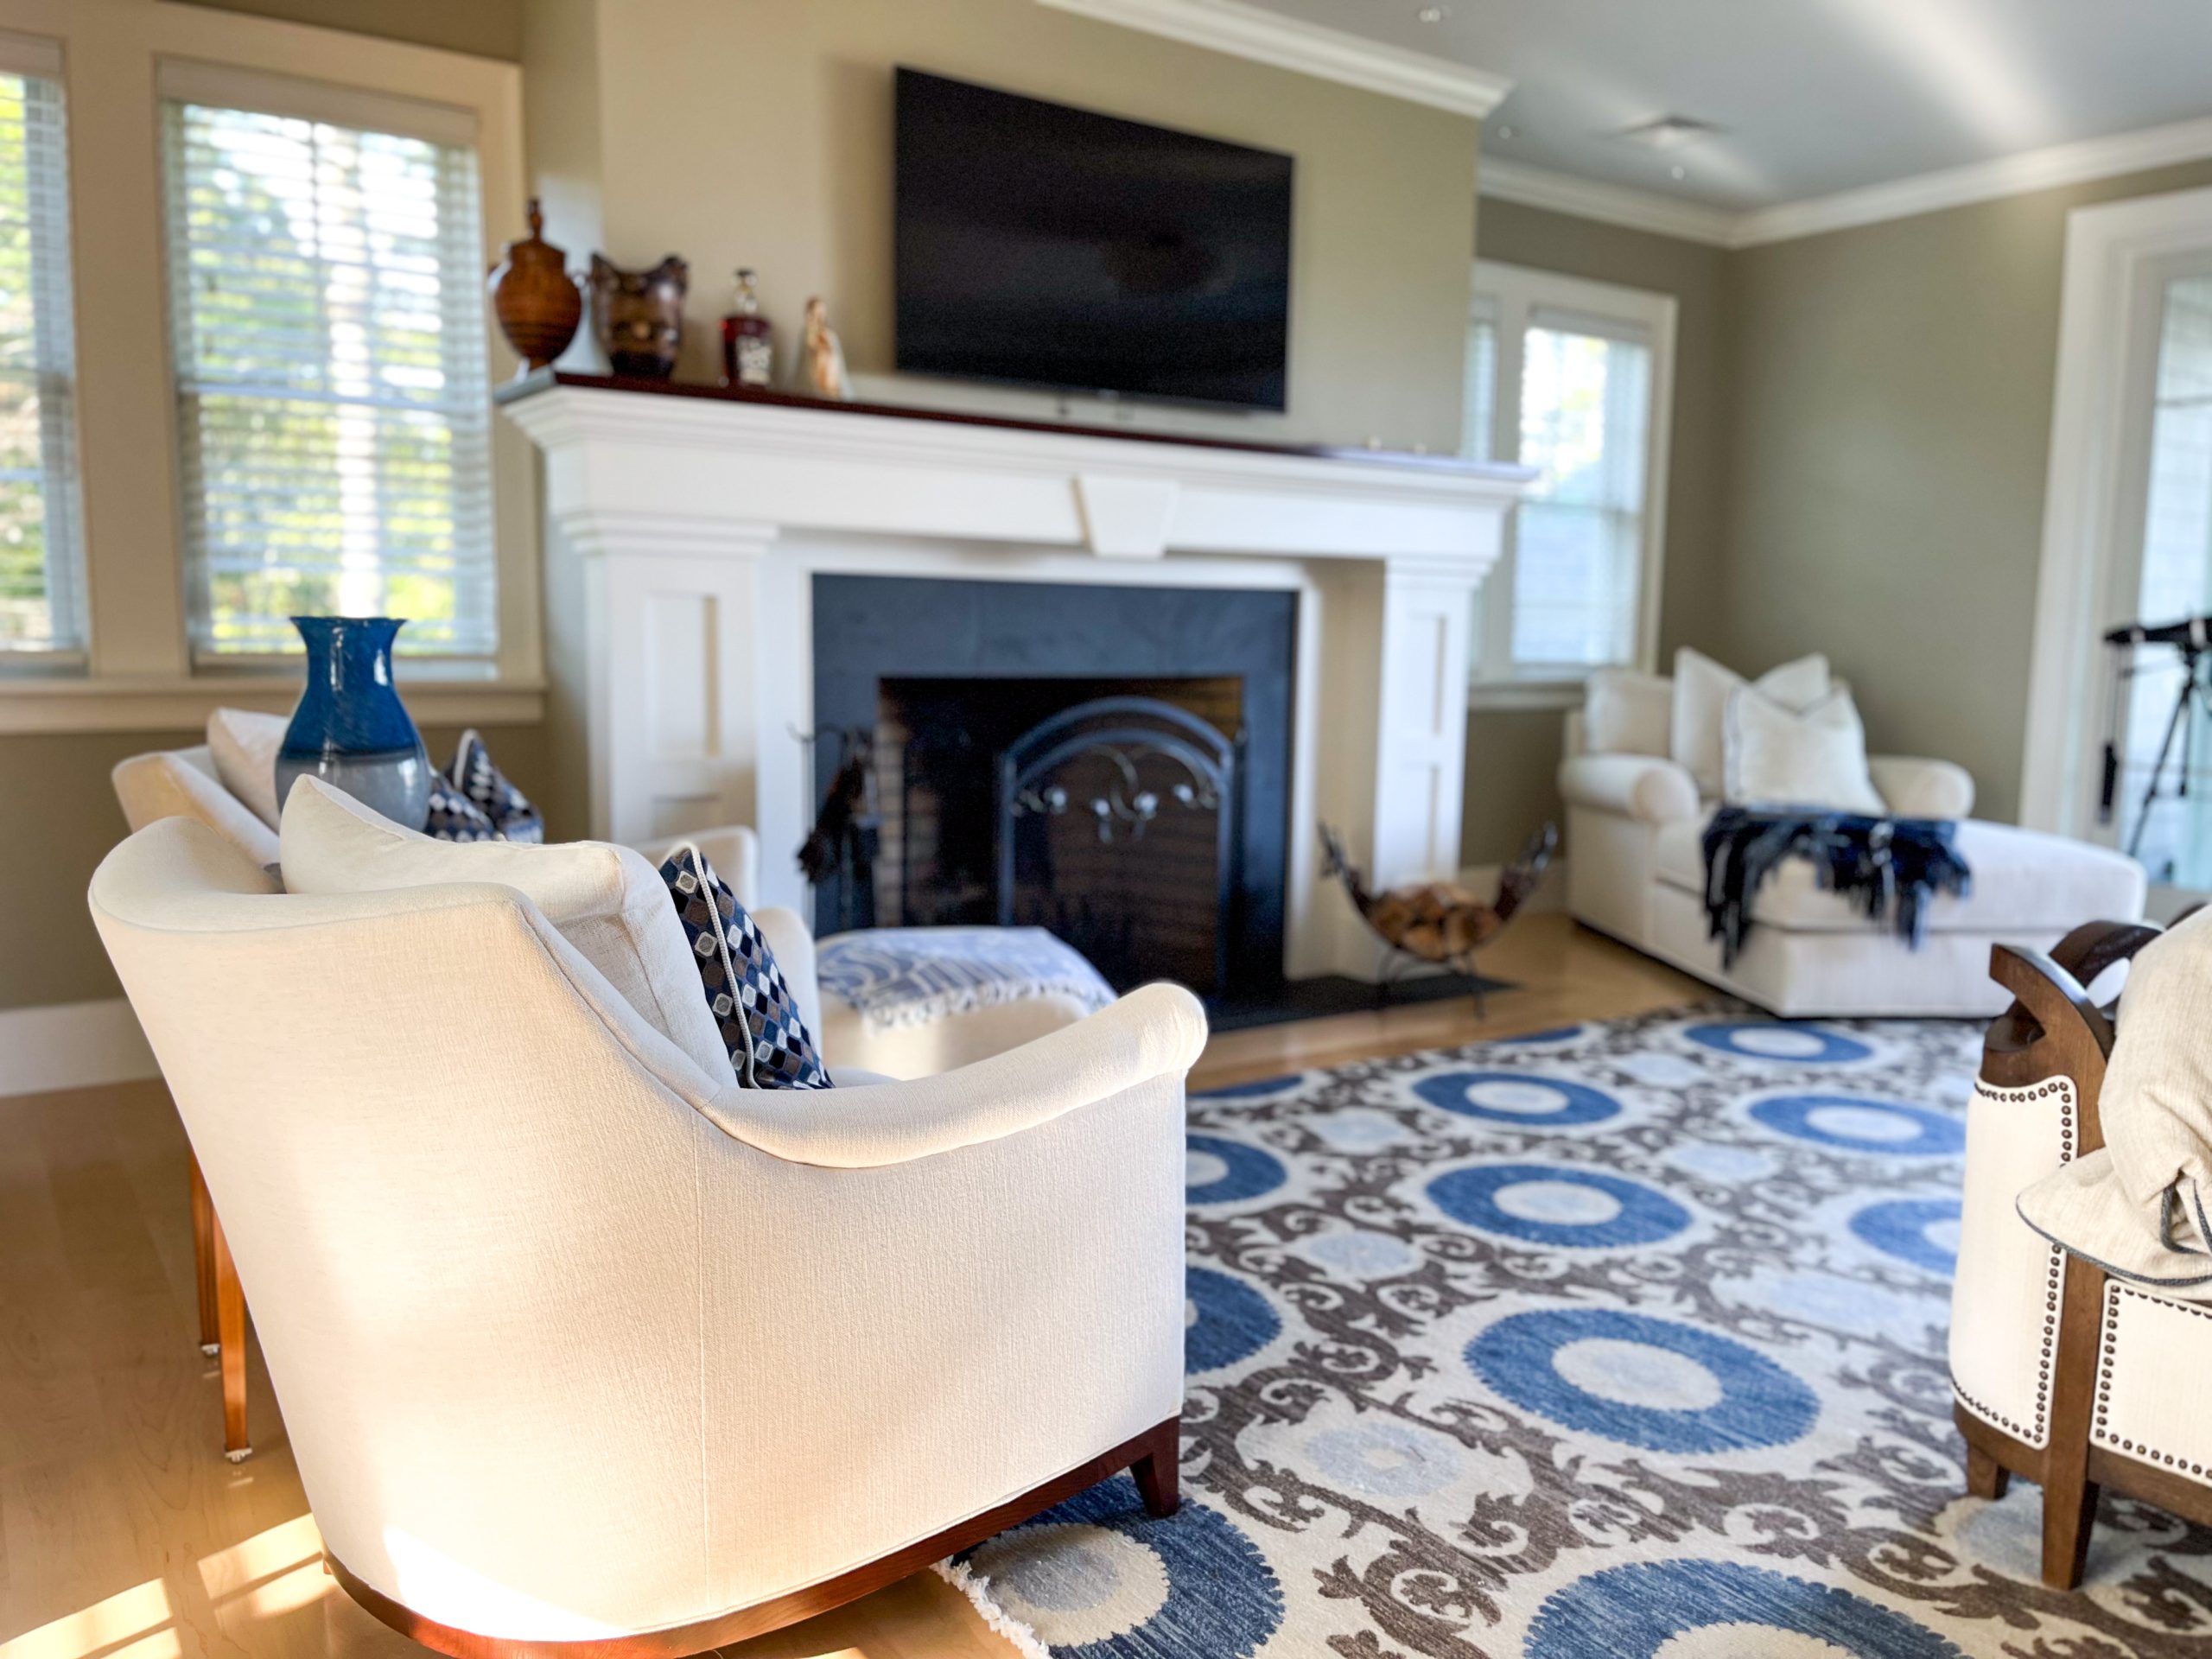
x=2193 y=695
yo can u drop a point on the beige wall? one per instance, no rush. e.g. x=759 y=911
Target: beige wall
x=759 y=132
x=1512 y=755
x=1890 y=432
x=58 y=818
x=488 y=28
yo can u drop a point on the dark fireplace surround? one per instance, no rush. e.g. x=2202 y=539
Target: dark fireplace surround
x=1148 y=693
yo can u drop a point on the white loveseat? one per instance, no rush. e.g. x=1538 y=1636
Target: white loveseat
x=1635 y=870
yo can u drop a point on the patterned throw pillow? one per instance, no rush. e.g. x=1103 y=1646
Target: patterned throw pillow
x=507 y=808
x=454 y=817
x=769 y=1045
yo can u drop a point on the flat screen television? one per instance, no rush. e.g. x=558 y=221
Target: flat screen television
x=1049 y=247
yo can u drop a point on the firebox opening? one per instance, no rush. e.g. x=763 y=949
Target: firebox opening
x=1102 y=809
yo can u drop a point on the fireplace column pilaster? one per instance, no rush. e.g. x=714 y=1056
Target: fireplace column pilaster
x=673 y=609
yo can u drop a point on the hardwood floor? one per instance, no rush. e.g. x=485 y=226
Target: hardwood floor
x=123 y=1534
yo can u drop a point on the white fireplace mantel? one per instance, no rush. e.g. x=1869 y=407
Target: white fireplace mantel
x=697 y=522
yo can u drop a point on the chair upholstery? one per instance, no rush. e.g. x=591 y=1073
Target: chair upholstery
x=2060 y=1374
x=574 y=1340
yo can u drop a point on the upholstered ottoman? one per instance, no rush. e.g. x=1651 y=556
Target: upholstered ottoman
x=1811 y=952
x=913 y=1002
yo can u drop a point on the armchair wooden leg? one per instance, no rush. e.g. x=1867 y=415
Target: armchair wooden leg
x=1160 y=1471
x=1985 y=1476
x=2069 y=1497
x=230 y=1319
x=203 y=1257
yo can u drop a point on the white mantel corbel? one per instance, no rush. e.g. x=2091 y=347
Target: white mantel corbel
x=697 y=522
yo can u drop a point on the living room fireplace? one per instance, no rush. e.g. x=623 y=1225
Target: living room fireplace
x=1109 y=763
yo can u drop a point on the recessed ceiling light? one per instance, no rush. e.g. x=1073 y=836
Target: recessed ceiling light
x=1669 y=132
x=1433 y=14
x=1678 y=171
x=1505 y=130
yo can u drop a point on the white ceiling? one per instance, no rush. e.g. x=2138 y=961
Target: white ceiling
x=1815 y=96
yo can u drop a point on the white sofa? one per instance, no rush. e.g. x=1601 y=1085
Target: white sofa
x=576 y=1342
x=1635 y=870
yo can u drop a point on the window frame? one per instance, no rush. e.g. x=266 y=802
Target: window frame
x=139 y=674
x=1513 y=299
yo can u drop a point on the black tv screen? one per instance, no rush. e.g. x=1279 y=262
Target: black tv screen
x=1052 y=246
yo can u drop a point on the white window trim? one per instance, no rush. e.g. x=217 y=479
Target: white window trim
x=1511 y=297
x=115 y=54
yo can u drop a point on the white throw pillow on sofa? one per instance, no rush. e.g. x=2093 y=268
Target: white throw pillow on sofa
x=244 y=745
x=1625 y=711
x=606 y=900
x=1701 y=692
x=1783 y=756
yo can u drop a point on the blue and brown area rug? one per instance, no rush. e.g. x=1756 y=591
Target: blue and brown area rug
x=1621 y=1340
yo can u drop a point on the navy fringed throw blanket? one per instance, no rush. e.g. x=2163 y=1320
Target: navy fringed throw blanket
x=1887 y=866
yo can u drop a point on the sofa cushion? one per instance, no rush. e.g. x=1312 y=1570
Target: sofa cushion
x=508 y=810
x=243 y=747
x=1701 y=689
x=1627 y=712
x=1815 y=757
x=2024 y=881
x=606 y=900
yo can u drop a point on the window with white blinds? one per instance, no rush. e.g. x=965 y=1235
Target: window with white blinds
x=334 y=415
x=1568 y=377
x=42 y=552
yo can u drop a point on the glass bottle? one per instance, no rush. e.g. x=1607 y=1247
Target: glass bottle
x=748 y=353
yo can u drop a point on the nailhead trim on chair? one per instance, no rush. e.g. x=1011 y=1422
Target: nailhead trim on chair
x=2113 y=1293
x=2054 y=1274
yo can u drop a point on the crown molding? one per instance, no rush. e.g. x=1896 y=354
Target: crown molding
x=1247 y=31
x=2050 y=169
x=1611 y=204
x=1959 y=186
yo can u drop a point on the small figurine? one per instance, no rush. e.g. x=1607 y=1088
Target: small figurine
x=821 y=358
x=748 y=350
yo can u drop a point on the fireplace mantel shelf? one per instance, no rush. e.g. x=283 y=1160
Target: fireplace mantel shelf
x=686 y=528
x=721 y=469
x=544 y=380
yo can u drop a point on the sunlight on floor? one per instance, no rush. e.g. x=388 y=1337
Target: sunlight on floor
x=141 y=1612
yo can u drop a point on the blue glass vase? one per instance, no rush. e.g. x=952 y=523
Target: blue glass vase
x=351 y=729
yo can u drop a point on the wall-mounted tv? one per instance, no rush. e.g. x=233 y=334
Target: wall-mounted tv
x=1049 y=247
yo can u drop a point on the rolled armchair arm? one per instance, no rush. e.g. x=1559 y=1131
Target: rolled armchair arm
x=1915 y=788
x=1636 y=786
x=1154 y=1031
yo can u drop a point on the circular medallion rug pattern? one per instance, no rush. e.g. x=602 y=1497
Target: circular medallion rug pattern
x=1616 y=1339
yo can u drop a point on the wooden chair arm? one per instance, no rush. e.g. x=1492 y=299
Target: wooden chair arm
x=2095 y=946
x=2053 y=1029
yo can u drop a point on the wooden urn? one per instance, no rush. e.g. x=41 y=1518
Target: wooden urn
x=536 y=300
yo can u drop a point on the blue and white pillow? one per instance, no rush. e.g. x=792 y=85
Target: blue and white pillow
x=454 y=817
x=758 y=1017
x=507 y=808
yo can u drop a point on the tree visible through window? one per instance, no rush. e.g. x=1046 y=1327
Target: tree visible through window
x=333 y=418
x=41 y=570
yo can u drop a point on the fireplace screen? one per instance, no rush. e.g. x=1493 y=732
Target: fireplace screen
x=1105 y=811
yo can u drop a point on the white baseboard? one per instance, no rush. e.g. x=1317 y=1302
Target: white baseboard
x=72 y=1045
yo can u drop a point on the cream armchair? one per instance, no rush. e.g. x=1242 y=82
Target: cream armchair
x=186 y=784
x=574 y=1343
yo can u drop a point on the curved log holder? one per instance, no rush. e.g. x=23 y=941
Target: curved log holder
x=2054 y=1029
